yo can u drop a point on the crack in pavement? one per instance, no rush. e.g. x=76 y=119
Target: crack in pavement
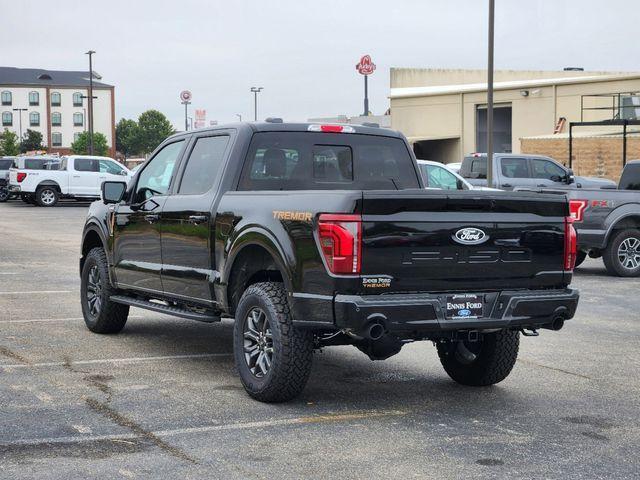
x=13 y=355
x=99 y=381
x=530 y=362
x=116 y=417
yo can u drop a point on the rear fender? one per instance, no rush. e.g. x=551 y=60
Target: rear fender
x=49 y=183
x=628 y=212
x=284 y=259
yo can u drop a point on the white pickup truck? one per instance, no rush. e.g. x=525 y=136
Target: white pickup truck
x=78 y=176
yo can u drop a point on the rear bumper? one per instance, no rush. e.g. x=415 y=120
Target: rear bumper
x=14 y=188
x=411 y=314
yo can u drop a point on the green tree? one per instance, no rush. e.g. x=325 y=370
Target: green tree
x=31 y=141
x=153 y=128
x=127 y=137
x=9 y=143
x=81 y=145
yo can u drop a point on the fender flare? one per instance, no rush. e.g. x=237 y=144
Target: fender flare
x=258 y=236
x=93 y=226
x=49 y=183
x=618 y=215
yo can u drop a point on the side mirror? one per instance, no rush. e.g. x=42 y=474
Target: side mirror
x=460 y=185
x=124 y=173
x=557 y=178
x=571 y=178
x=113 y=192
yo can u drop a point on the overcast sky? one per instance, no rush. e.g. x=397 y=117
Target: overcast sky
x=302 y=52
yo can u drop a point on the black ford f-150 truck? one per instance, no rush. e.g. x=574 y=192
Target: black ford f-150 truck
x=316 y=235
x=608 y=222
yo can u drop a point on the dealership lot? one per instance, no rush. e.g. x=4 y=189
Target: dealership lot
x=162 y=397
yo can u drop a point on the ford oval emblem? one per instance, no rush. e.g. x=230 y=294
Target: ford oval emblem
x=464 y=313
x=470 y=236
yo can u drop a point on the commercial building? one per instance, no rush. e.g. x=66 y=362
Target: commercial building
x=55 y=104
x=444 y=113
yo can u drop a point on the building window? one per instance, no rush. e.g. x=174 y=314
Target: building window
x=77 y=120
x=34 y=119
x=77 y=99
x=56 y=119
x=56 y=100
x=56 y=139
x=76 y=136
x=6 y=98
x=7 y=119
x=34 y=99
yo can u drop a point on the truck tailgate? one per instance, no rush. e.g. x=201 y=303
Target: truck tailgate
x=435 y=241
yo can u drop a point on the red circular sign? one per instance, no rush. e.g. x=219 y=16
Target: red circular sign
x=366 y=66
x=185 y=96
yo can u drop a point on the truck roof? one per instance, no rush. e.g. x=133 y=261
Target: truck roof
x=292 y=127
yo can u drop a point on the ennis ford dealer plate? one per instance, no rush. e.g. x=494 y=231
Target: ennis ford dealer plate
x=464 y=306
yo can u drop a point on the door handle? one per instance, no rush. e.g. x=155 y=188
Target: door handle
x=152 y=217
x=541 y=185
x=508 y=185
x=196 y=219
x=76 y=176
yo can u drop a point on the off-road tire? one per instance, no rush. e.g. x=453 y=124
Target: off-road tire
x=112 y=316
x=47 y=196
x=292 y=348
x=497 y=356
x=610 y=253
x=580 y=257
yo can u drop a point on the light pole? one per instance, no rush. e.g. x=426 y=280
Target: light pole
x=20 y=110
x=239 y=117
x=490 y=97
x=255 y=91
x=90 y=53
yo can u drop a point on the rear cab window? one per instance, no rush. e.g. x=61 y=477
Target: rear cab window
x=474 y=167
x=327 y=161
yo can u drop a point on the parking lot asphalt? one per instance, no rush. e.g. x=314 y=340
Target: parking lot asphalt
x=162 y=400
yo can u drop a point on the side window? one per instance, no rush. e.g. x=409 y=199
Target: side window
x=541 y=168
x=155 y=179
x=441 y=178
x=86 y=165
x=514 y=167
x=203 y=165
x=332 y=163
x=107 y=166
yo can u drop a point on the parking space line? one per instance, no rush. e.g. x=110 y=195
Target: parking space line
x=33 y=292
x=315 y=419
x=117 y=360
x=46 y=320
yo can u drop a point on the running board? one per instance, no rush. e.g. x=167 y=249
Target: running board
x=158 y=307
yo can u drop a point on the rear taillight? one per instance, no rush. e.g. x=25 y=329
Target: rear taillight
x=570 y=244
x=21 y=176
x=340 y=238
x=576 y=209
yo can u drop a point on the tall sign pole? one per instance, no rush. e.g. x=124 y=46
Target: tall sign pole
x=365 y=68
x=490 y=98
x=256 y=91
x=185 y=99
x=90 y=53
